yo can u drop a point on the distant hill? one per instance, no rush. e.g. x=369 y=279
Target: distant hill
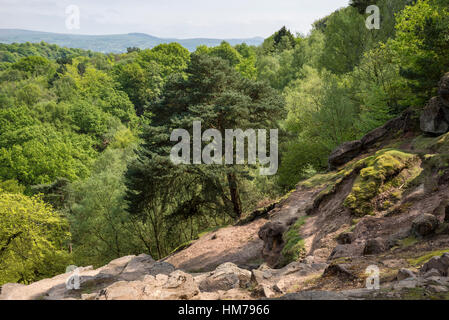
x=110 y=43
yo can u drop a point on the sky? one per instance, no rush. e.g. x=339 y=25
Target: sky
x=169 y=18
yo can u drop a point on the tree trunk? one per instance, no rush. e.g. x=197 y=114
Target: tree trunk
x=235 y=195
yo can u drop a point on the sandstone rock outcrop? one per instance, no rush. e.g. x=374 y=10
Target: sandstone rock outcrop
x=349 y=150
x=226 y=277
x=176 y=286
x=345 y=153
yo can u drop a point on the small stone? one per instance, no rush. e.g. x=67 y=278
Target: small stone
x=405 y=274
x=344 y=238
x=425 y=225
x=406 y=284
x=437 y=289
x=268 y=292
x=267 y=274
x=432 y=273
x=88 y=296
x=309 y=260
x=374 y=246
x=338 y=270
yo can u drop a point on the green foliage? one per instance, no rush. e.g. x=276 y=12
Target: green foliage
x=281 y=40
x=378 y=88
x=346 y=38
x=142 y=84
x=11 y=186
x=40 y=154
x=300 y=160
x=171 y=58
x=34 y=66
x=15 y=51
x=341 y=81
x=226 y=52
x=33 y=239
x=102 y=229
x=321 y=116
x=242 y=57
x=56 y=116
x=422 y=45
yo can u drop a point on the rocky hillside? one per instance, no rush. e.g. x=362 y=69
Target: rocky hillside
x=383 y=204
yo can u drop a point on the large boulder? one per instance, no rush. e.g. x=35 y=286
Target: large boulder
x=226 y=277
x=272 y=235
x=143 y=265
x=424 y=225
x=433 y=118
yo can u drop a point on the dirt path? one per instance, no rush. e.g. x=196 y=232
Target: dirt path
x=237 y=244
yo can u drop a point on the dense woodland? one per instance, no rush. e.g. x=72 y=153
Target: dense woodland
x=85 y=174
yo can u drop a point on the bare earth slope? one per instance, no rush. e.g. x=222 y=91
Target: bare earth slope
x=237 y=244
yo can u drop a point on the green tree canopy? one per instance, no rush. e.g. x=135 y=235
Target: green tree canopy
x=33 y=239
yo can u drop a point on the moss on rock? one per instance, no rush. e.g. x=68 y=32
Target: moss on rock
x=380 y=173
x=294 y=248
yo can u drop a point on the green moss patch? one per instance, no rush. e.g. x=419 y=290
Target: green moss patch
x=419 y=261
x=294 y=248
x=408 y=242
x=332 y=178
